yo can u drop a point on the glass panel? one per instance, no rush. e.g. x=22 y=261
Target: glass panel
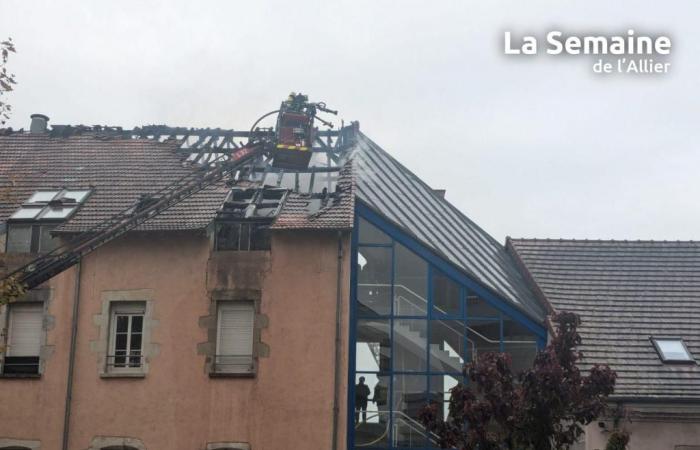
x=374 y=281
x=482 y=336
x=477 y=307
x=46 y=242
x=673 y=349
x=122 y=324
x=410 y=345
x=373 y=350
x=372 y=412
x=19 y=238
x=369 y=234
x=227 y=237
x=260 y=238
x=135 y=344
x=446 y=296
x=410 y=283
x=120 y=343
x=520 y=343
x=440 y=386
x=42 y=197
x=78 y=196
x=409 y=398
x=447 y=345
x=56 y=213
x=26 y=213
x=137 y=324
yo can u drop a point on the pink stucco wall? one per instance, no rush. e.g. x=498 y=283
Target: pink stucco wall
x=288 y=404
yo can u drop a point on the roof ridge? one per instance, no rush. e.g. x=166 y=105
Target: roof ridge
x=617 y=241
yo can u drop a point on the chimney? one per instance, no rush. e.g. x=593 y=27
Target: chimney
x=439 y=192
x=39 y=123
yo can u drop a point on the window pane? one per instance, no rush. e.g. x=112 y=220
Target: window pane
x=673 y=350
x=136 y=324
x=56 y=213
x=245 y=237
x=19 y=238
x=447 y=345
x=409 y=398
x=228 y=235
x=440 y=386
x=372 y=423
x=46 y=242
x=410 y=283
x=482 y=336
x=369 y=234
x=477 y=307
x=520 y=343
x=120 y=344
x=25 y=213
x=260 y=238
x=446 y=296
x=410 y=345
x=42 y=196
x=373 y=351
x=122 y=324
x=374 y=280
x=135 y=344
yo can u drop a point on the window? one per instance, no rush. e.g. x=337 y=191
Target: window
x=243 y=236
x=29 y=228
x=126 y=337
x=234 y=337
x=672 y=350
x=24 y=333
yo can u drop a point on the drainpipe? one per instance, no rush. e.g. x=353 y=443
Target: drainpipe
x=338 y=318
x=71 y=357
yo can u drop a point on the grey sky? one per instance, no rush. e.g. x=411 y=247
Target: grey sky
x=529 y=148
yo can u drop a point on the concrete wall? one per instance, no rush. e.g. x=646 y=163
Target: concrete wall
x=652 y=427
x=177 y=405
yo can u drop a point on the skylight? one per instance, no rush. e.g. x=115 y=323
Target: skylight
x=55 y=204
x=672 y=350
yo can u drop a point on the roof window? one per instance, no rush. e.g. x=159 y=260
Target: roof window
x=51 y=204
x=672 y=350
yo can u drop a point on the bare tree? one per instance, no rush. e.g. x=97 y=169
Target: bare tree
x=7 y=80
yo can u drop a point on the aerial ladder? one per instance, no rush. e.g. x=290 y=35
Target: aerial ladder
x=290 y=146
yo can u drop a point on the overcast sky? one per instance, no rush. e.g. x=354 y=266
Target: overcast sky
x=536 y=147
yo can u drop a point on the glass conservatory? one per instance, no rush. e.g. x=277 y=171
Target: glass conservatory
x=416 y=321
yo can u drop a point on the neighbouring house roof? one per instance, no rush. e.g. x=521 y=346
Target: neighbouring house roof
x=119 y=169
x=404 y=199
x=625 y=293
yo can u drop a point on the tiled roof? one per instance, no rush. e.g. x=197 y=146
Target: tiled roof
x=625 y=292
x=118 y=170
x=300 y=211
x=404 y=199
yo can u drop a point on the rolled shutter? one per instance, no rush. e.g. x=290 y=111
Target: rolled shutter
x=25 y=329
x=235 y=336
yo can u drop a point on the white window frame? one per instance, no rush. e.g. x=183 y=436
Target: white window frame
x=130 y=309
x=228 y=364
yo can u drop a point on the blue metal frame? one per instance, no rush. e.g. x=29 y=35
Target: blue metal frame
x=435 y=263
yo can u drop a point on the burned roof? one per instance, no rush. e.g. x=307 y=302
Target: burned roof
x=626 y=292
x=404 y=199
x=121 y=167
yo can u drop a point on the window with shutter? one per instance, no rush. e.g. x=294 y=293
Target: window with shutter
x=24 y=338
x=234 y=343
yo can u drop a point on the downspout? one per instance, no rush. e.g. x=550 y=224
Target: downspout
x=338 y=318
x=71 y=357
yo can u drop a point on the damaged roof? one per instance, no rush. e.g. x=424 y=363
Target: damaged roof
x=625 y=292
x=404 y=199
x=119 y=170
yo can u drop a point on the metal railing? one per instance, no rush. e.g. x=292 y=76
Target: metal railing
x=132 y=360
x=233 y=363
x=405 y=430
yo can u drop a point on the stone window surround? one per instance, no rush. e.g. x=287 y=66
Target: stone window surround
x=102 y=321
x=44 y=296
x=227 y=446
x=115 y=442
x=20 y=443
x=209 y=322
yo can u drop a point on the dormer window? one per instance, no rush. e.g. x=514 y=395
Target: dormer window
x=29 y=228
x=672 y=350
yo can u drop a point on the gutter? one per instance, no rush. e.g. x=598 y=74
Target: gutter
x=337 y=362
x=71 y=357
